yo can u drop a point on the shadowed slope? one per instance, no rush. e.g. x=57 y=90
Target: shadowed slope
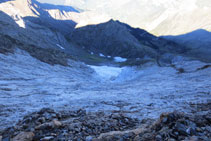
x=197 y=42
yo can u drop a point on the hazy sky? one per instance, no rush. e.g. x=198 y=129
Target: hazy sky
x=52 y=1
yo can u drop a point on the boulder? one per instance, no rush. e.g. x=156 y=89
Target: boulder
x=56 y=123
x=24 y=136
x=49 y=125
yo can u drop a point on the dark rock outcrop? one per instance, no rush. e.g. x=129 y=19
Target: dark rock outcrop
x=114 y=38
x=110 y=38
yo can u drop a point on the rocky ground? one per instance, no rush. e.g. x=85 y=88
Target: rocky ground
x=28 y=85
x=130 y=103
x=47 y=124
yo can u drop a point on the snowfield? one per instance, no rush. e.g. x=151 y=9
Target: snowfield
x=61 y=47
x=27 y=85
x=106 y=72
x=119 y=59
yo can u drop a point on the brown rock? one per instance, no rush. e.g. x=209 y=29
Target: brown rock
x=43 y=126
x=24 y=136
x=56 y=123
x=53 y=124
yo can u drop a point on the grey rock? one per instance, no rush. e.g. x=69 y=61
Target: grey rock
x=171 y=139
x=181 y=128
x=89 y=138
x=158 y=138
x=41 y=119
x=47 y=138
x=208 y=129
x=193 y=138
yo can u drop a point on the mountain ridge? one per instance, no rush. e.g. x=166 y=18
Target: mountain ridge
x=159 y=17
x=111 y=38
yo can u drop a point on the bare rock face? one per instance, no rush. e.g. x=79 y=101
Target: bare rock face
x=24 y=136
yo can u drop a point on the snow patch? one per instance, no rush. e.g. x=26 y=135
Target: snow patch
x=120 y=59
x=101 y=55
x=60 y=46
x=21 y=23
x=107 y=72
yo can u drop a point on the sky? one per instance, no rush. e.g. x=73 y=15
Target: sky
x=52 y=1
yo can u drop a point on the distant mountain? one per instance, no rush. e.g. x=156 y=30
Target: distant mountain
x=114 y=38
x=81 y=33
x=58 y=7
x=5 y=1
x=55 y=2
x=160 y=17
x=198 y=43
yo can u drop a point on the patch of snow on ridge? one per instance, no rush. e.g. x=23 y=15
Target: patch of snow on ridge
x=101 y=55
x=21 y=23
x=119 y=59
x=60 y=46
x=107 y=72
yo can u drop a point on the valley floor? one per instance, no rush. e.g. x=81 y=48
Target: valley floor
x=28 y=85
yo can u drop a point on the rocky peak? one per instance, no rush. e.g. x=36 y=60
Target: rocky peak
x=110 y=38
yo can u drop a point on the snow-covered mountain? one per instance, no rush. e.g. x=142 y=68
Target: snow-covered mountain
x=160 y=17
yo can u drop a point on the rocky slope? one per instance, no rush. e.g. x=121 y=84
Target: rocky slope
x=114 y=38
x=111 y=39
x=47 y=124
x=40 y=67
x=197 y=42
